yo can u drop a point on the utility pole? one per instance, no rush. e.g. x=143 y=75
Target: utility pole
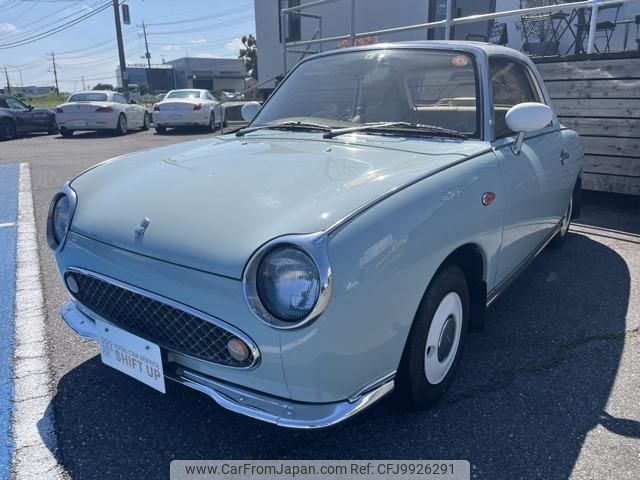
x=123 y=65
x=55 y=71
x=83 y=87
x=6 y=74
x=148 y=57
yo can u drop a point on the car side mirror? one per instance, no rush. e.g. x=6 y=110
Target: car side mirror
x=527 y=117
x=132 y=102
x=30 y=107
x=250 y=110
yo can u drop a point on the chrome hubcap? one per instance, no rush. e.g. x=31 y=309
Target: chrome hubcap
x=447 y=337
x=443 y=338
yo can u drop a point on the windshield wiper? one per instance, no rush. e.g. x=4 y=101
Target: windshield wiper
x=398 y=126
x=291 y=125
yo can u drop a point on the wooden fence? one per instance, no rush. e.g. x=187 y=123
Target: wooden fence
x=600 y=99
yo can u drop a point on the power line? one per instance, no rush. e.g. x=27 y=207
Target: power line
x=235 y=21
x=53 y=31
x=222 y=13
x=48 y=18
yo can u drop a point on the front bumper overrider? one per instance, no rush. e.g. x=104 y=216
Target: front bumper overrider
x=279 y=411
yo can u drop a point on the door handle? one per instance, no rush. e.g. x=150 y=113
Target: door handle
x=564 y=156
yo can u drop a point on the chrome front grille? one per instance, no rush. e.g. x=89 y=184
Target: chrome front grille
x=169 y=327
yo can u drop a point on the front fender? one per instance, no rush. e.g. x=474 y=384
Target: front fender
x=382 y=262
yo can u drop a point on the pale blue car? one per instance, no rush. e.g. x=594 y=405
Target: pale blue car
x=340 y=246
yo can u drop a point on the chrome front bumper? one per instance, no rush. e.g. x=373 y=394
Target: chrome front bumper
x=279 y=411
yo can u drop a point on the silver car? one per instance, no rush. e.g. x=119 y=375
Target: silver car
x=339 y=247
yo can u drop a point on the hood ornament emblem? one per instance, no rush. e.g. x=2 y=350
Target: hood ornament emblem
x=143 y=227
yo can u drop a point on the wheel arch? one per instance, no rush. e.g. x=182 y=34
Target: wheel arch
x=11 y=119
x=471 y=259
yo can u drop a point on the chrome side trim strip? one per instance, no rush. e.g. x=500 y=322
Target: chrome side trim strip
x=278 y=411
x=516 y=272
x=178 y=306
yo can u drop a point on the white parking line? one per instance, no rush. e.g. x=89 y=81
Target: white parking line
x=33 y=431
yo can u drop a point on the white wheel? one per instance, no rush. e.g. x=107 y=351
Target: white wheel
x=443 y=338
x=436 y=339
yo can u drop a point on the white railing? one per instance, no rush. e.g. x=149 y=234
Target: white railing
x=448 y=22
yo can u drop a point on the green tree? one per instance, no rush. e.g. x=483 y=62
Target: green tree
x=249 y=55
x=103 y=86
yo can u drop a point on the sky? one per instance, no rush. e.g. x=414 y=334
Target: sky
x=176 y=28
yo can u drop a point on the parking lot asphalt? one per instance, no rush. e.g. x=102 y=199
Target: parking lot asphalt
x=549 y=390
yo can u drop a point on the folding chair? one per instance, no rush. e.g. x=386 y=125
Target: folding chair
x=604 y=30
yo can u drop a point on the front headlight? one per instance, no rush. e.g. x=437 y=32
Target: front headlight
x=288 y=282
x=60 y=215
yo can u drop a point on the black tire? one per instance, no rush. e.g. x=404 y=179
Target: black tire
x=7 y=129
x=66 y=133
x=212 y=123
x=145 y=122
x=122 y=128
x=561 y=237
x=413 y=385
x=160 y=129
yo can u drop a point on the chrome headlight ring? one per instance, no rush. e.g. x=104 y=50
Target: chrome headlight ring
x=72 y=200
x=315 y=247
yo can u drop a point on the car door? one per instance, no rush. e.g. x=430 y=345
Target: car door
x=128 y=109
x=531 y=177
x=26 y=120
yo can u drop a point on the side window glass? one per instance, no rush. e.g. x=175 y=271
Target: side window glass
x=119 y=99
x=511 y=85
x=15 y=104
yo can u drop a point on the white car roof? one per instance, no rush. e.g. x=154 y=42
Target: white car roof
x=188 y=90
x=488 y=48
x=109 y=93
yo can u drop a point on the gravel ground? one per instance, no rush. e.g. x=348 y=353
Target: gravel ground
x=549 y=390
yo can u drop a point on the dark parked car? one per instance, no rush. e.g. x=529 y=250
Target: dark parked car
x=17 y=117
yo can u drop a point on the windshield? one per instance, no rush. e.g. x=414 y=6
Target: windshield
x=183 y=94
x=430 y=87
x=88 y=97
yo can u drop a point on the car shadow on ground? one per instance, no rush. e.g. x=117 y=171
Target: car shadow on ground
x=611 y=212
x=93 y=134
x=528 y=390
x=181 y=131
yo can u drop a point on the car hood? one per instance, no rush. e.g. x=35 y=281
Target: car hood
x=211 y=203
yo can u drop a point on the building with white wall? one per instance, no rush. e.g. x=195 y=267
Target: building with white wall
x=373 y=15
x=226 y=74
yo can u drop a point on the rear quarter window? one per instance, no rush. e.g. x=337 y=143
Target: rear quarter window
x=511 y=84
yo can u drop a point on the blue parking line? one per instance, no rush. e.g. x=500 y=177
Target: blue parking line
x=9 y=193
x=9 y=176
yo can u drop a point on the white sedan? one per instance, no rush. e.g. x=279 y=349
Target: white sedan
x=100 y=110
x=185 y=108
